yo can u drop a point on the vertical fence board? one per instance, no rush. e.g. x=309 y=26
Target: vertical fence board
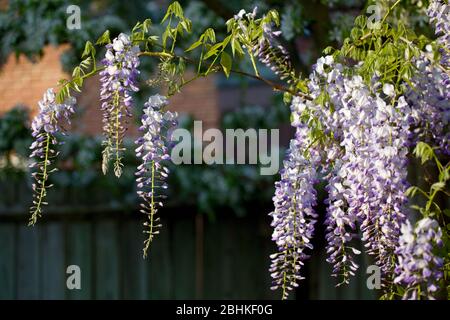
x=327 y=284
x=107 y=284
x=226 y=258
x=79 y=252
x=212 y=260
x=52 y=263
x=266 y=247
x=364 y=292
x=247 y=263
x=183 y=257
x=7 y=261
x=159 y=264
x=108 y=250
x=134 y=266
x=28 y=262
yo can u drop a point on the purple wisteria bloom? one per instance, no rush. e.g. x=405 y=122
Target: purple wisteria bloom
x=418 y=269
x=118 y=80
x=294 y=216
x=361 y=149
x=45 y=125
x=364 y=163
x=439 y=14
x=273 y=55
x=153 y=151
x=430 y=94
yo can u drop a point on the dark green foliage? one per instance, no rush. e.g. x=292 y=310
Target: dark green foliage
x=205 y=187
x=26 y=26
x=14 y=133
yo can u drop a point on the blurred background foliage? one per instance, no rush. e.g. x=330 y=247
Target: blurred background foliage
x=209 y=187
x=308 y=26
x=26 y=26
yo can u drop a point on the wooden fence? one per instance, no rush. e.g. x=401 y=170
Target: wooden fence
x=192 y=257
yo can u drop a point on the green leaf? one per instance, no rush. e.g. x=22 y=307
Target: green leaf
x=416 y=207
x=173 y=9
x=236 y=47
x=186 y=24
x=146 y=25
x=302 y=86
x=194 y=45
x=287 y=98
x=444 y=175
x=86 y=63
x=136 y=27
x=438 y=186
x=411 y=192
x=423 y=151
x=104 y=38
x=328 y=50
x=360 y=22
x=76 y=72
x=88 y=50
x=275 y=17
x=210 y=35
x=213 y=50
x=226 y=62
x=226 y=41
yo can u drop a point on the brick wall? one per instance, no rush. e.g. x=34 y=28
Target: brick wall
x=200 y=99
x=23 y=82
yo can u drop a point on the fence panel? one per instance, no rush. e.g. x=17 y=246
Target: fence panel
x=192 y=257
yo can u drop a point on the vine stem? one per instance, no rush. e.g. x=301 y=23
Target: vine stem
x=152 y=211
x=156 y=54
x=389 y=11
x=117 y=128
x=34 y=216
x=274 y=85
x=252 y=58
x=84 y=76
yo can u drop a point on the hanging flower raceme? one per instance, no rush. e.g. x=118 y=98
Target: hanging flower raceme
x=340 y=219
x=439 y=14
x=272 y=54
x=153 y=151
x=46 y=124
x=430 y=91
x=364 y=163
x=294 y=216
x=419 y=270
x=374 y=139
x=118 y=82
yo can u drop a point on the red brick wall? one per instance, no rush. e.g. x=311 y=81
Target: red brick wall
x=200 y=99
x=23 y=82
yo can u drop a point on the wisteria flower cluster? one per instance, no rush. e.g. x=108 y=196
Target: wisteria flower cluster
x=153 y=150
x=272 y=54
x=119 y=79
x=365 y=164
x=430 y=90
x=46 y=124
x=267 y=48
x=362 y=110
x=429 y=97
x=439 y=13
x=419 y=269
x=294 y=216
x=367 y=130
